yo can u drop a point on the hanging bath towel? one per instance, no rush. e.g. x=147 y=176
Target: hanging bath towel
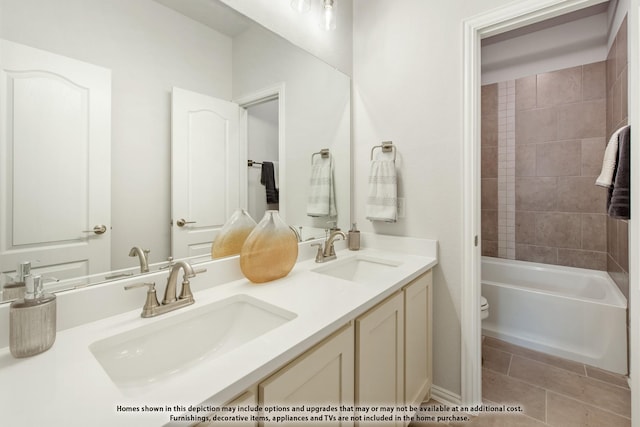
x=268 y=179
x=382 y=202
x=609 y=160
x=619 y=202
x=322 y=196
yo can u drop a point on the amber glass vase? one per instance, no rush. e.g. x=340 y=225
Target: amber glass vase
x=270 y=251
x=233 y=234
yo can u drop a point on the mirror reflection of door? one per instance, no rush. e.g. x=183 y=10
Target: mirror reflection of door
x=262 y=147
x=55 y=163
x=205 y=170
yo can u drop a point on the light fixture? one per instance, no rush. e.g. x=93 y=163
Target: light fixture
x=329 y=14
x=301 y=6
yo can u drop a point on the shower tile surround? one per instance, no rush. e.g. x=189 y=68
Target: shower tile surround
x=543 y=138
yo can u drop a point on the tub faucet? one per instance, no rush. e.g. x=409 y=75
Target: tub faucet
x=329 y=252
x=143 y=255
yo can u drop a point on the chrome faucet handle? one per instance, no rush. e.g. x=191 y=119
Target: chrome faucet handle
x=151 y=302
x=169 y=263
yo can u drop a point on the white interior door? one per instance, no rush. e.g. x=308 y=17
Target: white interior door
x=55 y=162
x=205 y=170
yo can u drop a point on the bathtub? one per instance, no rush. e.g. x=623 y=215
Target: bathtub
x=573 y=313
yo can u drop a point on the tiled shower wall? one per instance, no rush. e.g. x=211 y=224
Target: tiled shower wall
x=617 y=230
x=558 y=143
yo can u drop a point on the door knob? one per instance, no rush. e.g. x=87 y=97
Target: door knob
x=182 y=222
x=98 y=229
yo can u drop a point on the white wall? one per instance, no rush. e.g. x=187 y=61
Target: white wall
x=149 y=49
x=317 y=115
x=408 y=89
x=334 y=47
x=262 y=144
x=579 y=42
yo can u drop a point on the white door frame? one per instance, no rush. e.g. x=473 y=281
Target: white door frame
x=245 y=101
x=484 y=25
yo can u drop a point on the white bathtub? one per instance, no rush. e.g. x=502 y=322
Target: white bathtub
x=573 y=313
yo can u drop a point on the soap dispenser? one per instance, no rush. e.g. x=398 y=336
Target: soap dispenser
x=354 y=238
x=32 y=320
x=15 y=288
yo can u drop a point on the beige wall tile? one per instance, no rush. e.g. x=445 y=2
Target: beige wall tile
x=489 y=193
x=565 y=412
x=489 y=248
x=489 y=131
x=582 y=259
x=489 y=162
x=594 y=81
x=536 y=194
x=561 y=158
x=526 y=159
x=623 y=245
x=500 y=388
x=489 y=225
x=621 y=47
x=560 y=230
x=594 y=232
x=611 y=65
x=584 y=389
x=559 y=87
x=582 y=120
x=525 y=227
x=526 y=93
x=592 y=155
x=616 y=104
x=489 y=100
x=624 y=84
x=612 y=238
x=579 y=194
x=539 y=125
x=619 y=276
x=542 y=254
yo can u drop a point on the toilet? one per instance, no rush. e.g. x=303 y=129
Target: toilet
x=484 y=308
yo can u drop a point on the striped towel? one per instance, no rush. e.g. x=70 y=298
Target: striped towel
x=382 y=203
x=322 y=195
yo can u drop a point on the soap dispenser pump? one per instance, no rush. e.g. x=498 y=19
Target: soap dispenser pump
x=16 y=288
x=32 y=320
x=354 y=238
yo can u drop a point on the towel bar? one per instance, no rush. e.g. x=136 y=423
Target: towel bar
x=386 y=147
x=324 y=153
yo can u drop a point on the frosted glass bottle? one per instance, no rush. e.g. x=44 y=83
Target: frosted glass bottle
x=270 y=251
x=233 y=234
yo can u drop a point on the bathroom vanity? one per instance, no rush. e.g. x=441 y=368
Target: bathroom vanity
x=355 y=331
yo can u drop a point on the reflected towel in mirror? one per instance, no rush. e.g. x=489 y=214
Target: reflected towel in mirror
x=322 y=195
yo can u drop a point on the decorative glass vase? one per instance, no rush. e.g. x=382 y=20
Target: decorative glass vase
x=270 y=251
x=233 y=234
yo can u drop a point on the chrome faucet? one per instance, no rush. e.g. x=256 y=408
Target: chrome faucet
x=329 y=252
x=170 y=302
x=143 y=254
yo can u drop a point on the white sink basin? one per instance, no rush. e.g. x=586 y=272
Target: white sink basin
x=149 y=353
x=361 y=268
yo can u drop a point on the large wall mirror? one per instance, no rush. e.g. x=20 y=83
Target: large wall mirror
x=103 y=78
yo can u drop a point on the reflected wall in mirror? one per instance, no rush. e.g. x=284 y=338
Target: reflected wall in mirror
x=149 y=48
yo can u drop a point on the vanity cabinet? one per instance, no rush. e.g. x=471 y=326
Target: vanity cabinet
x=322 y=376
x=380 y=356
x=418 y=319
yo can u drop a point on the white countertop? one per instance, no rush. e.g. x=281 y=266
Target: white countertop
x=67 y=386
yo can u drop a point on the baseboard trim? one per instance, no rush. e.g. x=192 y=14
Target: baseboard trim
x=445 y=396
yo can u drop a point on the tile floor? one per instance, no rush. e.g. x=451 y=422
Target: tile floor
x=551 y=392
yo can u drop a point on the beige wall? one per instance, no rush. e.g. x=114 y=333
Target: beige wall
x=560 y=215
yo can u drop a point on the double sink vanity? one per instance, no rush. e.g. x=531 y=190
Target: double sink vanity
x=355 y=330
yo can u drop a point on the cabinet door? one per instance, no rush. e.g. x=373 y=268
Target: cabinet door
x=380 y=357
x=417 y=370
x=248 y=398
x=322 y=376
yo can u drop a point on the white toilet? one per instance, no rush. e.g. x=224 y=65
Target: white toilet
x=484 y=308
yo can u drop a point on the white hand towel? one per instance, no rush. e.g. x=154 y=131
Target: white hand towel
x=322 y=196
x=609 y=161
x=382 y=203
